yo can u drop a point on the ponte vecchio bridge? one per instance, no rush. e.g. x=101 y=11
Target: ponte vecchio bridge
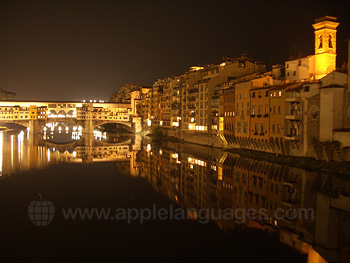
x=88 y=115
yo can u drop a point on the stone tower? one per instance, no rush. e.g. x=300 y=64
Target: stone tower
x=325 y=45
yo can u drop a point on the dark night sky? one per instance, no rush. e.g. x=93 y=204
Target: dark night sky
x=72 y=50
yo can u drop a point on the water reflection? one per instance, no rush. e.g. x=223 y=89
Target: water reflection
x=61 y=132
x=22 y=151
x=198 y=177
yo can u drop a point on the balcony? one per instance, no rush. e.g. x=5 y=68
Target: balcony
x=266 y=115
x=252 y=115
x=259 y=115
x=292 y=137
x=292 y=117
x=191 y=106
x=191 y=98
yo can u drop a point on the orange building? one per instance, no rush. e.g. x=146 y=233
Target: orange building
x=242 y=115
x=229 y=114
x=277 y=116
x=259 y=121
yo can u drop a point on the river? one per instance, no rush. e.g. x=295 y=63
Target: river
x=68 y=196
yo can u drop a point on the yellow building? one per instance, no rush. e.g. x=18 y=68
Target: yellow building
x=323 y=61
x=33 y=110
x=325 y=45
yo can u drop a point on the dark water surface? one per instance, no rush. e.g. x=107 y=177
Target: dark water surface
x=136 y=175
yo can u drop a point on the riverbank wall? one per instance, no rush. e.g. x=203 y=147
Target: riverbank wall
x=328 y=152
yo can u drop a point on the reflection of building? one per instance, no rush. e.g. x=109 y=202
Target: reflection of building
x=197 y=177
x=25 y=151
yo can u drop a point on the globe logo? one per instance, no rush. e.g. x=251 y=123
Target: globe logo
x=41 y=212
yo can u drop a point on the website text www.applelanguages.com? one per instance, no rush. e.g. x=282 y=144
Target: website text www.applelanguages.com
x=203 y=215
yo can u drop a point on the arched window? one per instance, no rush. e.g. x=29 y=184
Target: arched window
x=321 y=44
x=330 y=45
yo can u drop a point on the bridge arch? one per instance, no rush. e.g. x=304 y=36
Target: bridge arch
x=24 y=123
x=70 y=112
x=127 y=125
x=62 y=112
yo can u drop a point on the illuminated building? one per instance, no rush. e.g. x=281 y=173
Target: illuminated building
x=323 y=62
x=325 y=45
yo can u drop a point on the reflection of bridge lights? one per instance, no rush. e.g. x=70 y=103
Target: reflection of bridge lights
x=53 y=149
x=80 y=128
x=98 y=135
x=45 y=129
x=148 y=147
x=74 y=154
x=76 y=135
